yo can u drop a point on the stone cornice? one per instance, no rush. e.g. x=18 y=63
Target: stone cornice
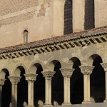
x=73 y=40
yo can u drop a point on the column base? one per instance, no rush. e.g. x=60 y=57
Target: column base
x=105 y=101
x=29 y=106
x=87 y=102
x=66 y=104
x=47 y=105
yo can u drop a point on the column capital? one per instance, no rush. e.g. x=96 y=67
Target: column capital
x=14 y=79
x=2 y=82
x=104 y=65
x=66 y=72
x=30 y=77
x=48 y=74
x=86 y=70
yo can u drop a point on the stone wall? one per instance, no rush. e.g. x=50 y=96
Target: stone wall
x=45 y=20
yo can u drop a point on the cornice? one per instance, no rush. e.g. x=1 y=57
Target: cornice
x=81 y=39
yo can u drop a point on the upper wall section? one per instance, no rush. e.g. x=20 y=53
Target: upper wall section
x=18 y=15
x=43 y=19
x=100 y=13
x=10 y=6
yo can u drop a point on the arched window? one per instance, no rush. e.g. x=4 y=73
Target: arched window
x=89 y=14
x=68 y=17
x=25 y=36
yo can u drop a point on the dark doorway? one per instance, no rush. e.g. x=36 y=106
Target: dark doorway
x=39 y=86
x=22 y=89
x=98 y=80
x=57 y=84
x=68 y=17
x=6 y=91
x=89 y=14
x=76 y=83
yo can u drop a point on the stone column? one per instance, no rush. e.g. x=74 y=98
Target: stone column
x=104 y=65
x=48 y=77
x=31 y=79
x=66 y=72
x=78 y=15
x=86 y=70
x=14 y=81
x=1 y=84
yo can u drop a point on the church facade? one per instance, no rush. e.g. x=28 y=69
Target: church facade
x=53 y=53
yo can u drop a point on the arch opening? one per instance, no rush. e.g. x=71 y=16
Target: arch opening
x=22 y=91
x=6 y=90
x=57 y=84
x=39 y=85
x=76 y=85
x=97 y=80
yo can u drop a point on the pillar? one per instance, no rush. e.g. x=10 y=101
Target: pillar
x=86 y=70
x=104 y=65
x=14 y=81
x=48 y=78
x=1 y=84
x=30 y=79
x=66 y=72
x=78 y=15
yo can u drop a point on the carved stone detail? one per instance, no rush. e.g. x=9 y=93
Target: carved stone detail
x=30 y=77
x=67 y=72
x=86 y=70
x=104 y=65
x=48 y=74
x=14 y=79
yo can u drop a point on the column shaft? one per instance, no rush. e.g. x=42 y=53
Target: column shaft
x=68 y=79
x=30 y=78
x=86 y=70
x=14 y=81
x=65 y=90
x=14 y=95
x=31 y=93
x=48 y=74
x=48 y=91
x=85 y=87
